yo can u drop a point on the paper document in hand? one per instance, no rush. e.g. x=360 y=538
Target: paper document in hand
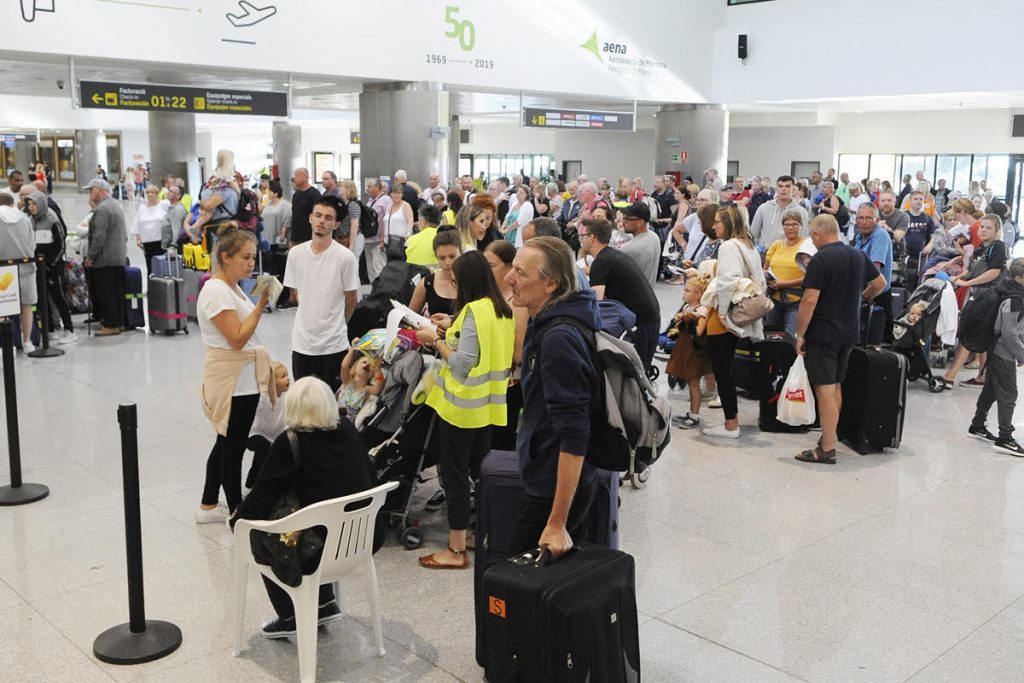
x=270 y=282
x=412 y=317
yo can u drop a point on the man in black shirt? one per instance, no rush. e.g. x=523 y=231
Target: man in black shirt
x=409 y=194
x=615 y=275
x=303 y=199
x=838 y=278
x=666 y=198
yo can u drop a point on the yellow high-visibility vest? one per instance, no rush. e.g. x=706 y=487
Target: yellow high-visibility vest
x=479 y=401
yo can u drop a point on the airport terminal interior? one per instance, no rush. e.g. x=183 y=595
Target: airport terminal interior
x=905 y=563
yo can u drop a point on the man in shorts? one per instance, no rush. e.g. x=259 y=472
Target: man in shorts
x=827 y=325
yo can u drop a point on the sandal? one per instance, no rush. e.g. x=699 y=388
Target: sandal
x=429 y=562
x=817 y=455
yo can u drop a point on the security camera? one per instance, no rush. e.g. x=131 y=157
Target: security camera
x=60 y=85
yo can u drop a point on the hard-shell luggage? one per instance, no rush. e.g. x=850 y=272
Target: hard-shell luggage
x=191 y=289
x=776 y=355
x=134 y=299
x=167 y=265
x=570 y=620
x=499 y=495
x=167 y=311
x=874 y=400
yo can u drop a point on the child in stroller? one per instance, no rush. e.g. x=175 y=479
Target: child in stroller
x=913 y=331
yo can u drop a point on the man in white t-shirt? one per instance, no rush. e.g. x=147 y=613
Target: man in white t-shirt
x=325 y=276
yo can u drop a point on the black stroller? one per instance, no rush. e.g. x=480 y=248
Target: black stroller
x=912 y=339
x=399 y=437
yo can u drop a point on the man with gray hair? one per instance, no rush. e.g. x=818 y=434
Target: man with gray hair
x=561 y=391
x=174 y=219
x=873 y=239
x=590 y=200
x=380 y=201
x=330 y=183
x=409 y=195
x=106 y=256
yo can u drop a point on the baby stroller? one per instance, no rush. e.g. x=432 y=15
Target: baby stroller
x=912 y=339
x=399 y=436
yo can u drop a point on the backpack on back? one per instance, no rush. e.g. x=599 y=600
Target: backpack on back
x=632 y=420
x=979 y=314
x=248 y=214
x=368 y=225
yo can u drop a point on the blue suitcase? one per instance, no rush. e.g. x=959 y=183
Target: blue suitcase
x=134 y=299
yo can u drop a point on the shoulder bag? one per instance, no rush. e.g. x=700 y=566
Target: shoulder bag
x=753 y=308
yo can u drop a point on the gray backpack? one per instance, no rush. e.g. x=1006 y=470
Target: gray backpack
x=632 y=421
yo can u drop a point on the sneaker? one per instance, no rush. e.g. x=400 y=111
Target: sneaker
x=215 y=515
x=66 y=338
x=715 y=402
x=278 y=628
x=688 y=421
x=328 y=613
x=981 y=433
x=720 y=432
x=27 y=346
x=1010 y=446
x=436 y=501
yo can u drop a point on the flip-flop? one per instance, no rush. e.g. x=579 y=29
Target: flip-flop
x=428 y=561
x=817 y=455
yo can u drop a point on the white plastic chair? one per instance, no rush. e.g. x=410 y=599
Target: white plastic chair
x=349 y=547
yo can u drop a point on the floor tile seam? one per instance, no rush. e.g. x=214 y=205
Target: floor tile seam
x=730 y=649
x=944 y=534
x=56 y=371
x=677 y=527
x=369 y=626
x=985 y=626
x=941 y=655
x=88 y=655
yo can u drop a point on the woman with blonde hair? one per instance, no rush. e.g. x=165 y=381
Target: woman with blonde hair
x=473 y=223
x=237 y=369
x=348 y=234
x=738 y=265
x=320 y=457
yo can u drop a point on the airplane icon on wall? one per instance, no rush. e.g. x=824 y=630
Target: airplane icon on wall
x=251 y=14
x=30 y=7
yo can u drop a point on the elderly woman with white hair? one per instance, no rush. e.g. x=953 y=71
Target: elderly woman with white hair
x=320 y=457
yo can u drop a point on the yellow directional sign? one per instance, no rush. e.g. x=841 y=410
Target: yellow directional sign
x=178 y=98
x=110 y=99
x=96 y=99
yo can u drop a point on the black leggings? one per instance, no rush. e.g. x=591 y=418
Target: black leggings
x=151 y=249
x=224 y=466
x=721 y=349
x=55 y=288
x=462 y=450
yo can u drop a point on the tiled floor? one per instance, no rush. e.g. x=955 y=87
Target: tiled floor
x=750 y=566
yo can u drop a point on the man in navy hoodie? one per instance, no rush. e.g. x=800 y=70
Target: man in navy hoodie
x=560 y=390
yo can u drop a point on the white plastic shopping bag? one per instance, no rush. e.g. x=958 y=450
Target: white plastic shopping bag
x=796 y=400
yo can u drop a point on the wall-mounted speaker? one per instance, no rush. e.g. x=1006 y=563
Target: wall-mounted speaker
x=741 y=47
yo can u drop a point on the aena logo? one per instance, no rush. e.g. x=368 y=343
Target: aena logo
x=596 y=47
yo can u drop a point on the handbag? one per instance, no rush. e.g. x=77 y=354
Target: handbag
x=395 y=249
x=287 y=553
x=748 y=311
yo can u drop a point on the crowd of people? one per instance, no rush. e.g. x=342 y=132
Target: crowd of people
x=825 y=260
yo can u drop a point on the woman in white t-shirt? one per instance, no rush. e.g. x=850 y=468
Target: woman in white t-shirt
x=397 y=225
x=237 y=368
x=147 y=225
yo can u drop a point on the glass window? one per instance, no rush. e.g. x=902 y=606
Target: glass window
x=66 y=159
x=493 y=168
x=465 y=165
x=998 y=170
x=962 y=173
x=113 y=155
x=883 y=167
x=945 y=165
x=855 y=165
x=911 y=165
x=979 y=169
x=357 y=170
x=929 y=169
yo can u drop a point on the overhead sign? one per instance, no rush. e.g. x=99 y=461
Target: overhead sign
x=180 y=98
x=18 y=137
x=10 y=292
x=580 y=120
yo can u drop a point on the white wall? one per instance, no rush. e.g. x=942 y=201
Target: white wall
x=769 y=150
x=976 y=131
x=813 y=49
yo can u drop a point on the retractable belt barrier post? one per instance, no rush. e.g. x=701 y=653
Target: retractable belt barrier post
x=44 y=351
x=140 y=640
x=18 y=493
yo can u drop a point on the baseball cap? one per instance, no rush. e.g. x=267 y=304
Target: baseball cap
x=98 y=183
x=637 y=210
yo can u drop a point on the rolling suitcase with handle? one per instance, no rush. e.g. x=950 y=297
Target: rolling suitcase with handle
x=570 y=620
x=134 y=299
x=499 y=495
x=874 y=400
x=776 y=355
x=167 y=311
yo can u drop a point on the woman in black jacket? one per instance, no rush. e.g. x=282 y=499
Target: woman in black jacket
x=332 y=463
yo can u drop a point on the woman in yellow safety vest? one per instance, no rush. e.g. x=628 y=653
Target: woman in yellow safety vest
x=469 y=396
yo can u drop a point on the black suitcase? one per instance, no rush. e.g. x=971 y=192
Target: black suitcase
x=776 y=355
x=499 y=495
x=167 y=310
x=874 y=400
x=134 y=299
x=571 y=620
x=744 y=365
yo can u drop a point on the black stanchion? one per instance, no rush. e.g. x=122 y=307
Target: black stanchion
x=18 y=493
x=140 y=640
x=44 y=351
